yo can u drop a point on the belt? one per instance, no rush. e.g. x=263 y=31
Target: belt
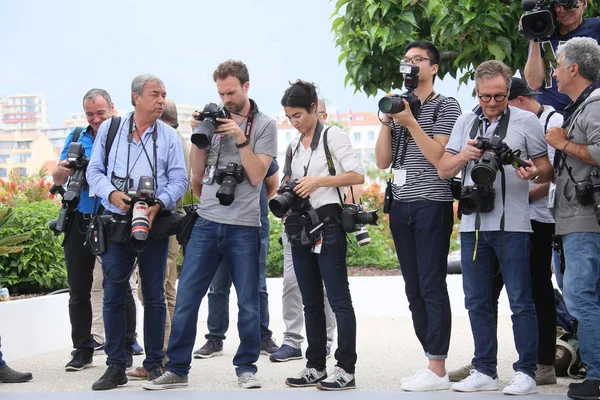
x=86 y=216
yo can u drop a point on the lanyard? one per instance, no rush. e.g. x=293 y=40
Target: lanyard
x=313 y=144
x=129 y=140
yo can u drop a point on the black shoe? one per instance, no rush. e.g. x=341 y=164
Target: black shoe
x=154 y=372
x=588 y=389
x=112 y=378
x=81 y=360
x=268 y=346
x=211 y=348
x=9 y=375
x=129 y=359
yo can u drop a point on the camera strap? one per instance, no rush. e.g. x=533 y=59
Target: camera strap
x=313 y=145
x=130 y=140
x=331 y=166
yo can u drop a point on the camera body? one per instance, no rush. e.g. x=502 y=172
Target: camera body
x=588 y=193
x=354 y=219
x=495 y=153
x=204 y=132
x=393 y=104
x=228 y=178
x=540 y=21
x=141 y=200
x=476 y=199
x=287 y=199
x=78 y=162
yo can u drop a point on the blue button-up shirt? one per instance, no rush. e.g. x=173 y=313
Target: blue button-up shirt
x=171 y=172
x=86 y=138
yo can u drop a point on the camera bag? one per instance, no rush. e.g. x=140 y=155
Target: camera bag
x=302 y=227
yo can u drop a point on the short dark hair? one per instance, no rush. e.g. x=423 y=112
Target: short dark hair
x=432 y=52
x=233 y=68
x=300 y=94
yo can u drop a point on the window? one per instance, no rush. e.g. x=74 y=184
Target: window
x=20 y=171
x=371 y=136
x=30 y=108
x=4 y=158
x=21 y=158
x=30 y=100
x=357 y=136
x=7 y=145
x=26 y=144
x=3 y=173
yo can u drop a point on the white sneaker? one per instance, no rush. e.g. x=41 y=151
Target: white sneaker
x=426 y=381
x=520 y=384
x=248 y=380
x=476 y=382
x=410 y=378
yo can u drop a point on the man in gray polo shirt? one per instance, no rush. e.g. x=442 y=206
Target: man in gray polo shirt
x=229 y=233
x=501 y=233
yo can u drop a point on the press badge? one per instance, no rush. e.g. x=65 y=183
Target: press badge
x=399 y=177
x=551 y=195
x=317 y=246
x=211 y=166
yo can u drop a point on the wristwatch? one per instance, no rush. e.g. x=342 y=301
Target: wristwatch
x=160 y=203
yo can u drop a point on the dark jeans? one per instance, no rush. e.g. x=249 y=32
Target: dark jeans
x=80 y=267
x=479 y=298
x=2 y=363
x=329 y=267
x=421 y=232
x=218 y=298
x=211 y=244
x=117 y=263
x=541 y=289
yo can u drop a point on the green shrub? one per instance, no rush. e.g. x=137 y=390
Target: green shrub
x=40 y=266
x=275 y=259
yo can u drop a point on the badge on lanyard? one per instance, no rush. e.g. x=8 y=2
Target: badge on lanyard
x=399 y=177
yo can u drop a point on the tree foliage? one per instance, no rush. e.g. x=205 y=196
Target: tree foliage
x=372 y=35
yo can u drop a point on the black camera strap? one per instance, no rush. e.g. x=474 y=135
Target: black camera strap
x=313 y=144
x=331 y=165
x=154 y=135
x=247 y=129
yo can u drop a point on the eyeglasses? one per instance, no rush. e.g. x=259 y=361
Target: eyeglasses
x=486 y=98
x=415 y=60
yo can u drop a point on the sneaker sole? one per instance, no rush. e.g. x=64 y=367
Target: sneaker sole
x=335 y=389
x=274 y=359
x=216 y=353
x=149 y=386
x=425 y=389
x=250 y=385
x=75 y=369
x=304 y=385
x=518 y=393
x=479 y=389
x=266 y=353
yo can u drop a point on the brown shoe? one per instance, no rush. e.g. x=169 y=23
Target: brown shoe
x=139 y=373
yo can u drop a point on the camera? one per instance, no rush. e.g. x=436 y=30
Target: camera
x=204 y=132
x=540 y=21
x=78 y=162
x=476 y=199
x=588 y=193
x=354 y=219
x=228 y=178
x=495 y=153
x=287 y=199
x=141 y=199
x=393 y=104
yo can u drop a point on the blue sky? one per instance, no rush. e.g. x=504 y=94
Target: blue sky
x=62 y=48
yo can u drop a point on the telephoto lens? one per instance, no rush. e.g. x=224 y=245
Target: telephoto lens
x=362 y=235
x=140 y=225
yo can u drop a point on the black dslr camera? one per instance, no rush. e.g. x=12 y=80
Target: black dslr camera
x=476 y=199
x=228 y=178
x=354 y=219
x=78 y=162
x=540 y=21
x=204 y=132
x=141 y=199
x=588 y=193
x=287 y=199
x=495 y=152
x=393 y=104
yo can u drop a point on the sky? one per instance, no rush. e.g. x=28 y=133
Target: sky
x=62 y=48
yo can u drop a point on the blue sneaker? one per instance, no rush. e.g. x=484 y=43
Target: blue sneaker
x=137 y=349
x=286 y=353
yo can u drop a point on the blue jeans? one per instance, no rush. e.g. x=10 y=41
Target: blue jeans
x=117 y=263
x=2 y=363
x=329 y=267
x=421 y=231
x=479 y=298
x=218 y=298
x=582 y=294
x=210 y=244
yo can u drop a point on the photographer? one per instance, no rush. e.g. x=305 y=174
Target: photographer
x=576 y=199
x=495 y=222
x=541 y=60
x=144 y=147
x=421 y=216
x=322 y=260
x=224 y=232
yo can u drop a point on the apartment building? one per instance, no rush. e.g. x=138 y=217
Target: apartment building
x=23 y=112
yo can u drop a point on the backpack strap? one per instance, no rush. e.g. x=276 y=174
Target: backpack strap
x=115 y=122
x=436 y=112
x=548 y=120
x=76 y=134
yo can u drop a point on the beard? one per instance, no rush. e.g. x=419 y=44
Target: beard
x=235 y=107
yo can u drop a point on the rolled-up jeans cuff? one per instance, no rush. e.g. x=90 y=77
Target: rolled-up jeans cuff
x=436 y=357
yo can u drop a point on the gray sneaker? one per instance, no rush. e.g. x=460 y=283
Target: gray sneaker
x=268 y=346
x=545 y=375
x=248 y=380
x=211 y=348
x=459 y=374
x=168 y=380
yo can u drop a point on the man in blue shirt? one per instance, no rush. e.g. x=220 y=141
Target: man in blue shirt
x=98 y=107
x=143 y=146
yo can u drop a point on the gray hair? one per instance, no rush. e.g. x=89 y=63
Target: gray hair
x=321 y=107
x=95 y=92
x=169 y=115
x=139 y=83
x=584 y=52
x=491 y=69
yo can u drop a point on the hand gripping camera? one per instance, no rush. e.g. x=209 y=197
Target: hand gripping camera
x=228 y=178
x=287 y=199
x=393 y=104
x=204 y=132
x=540 y=21
x=354 y=219
x=588 y=193
x=78 y=162
x=141 y=199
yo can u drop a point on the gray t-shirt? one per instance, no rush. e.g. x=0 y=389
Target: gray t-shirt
x=524 y=133
x=245 y=209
